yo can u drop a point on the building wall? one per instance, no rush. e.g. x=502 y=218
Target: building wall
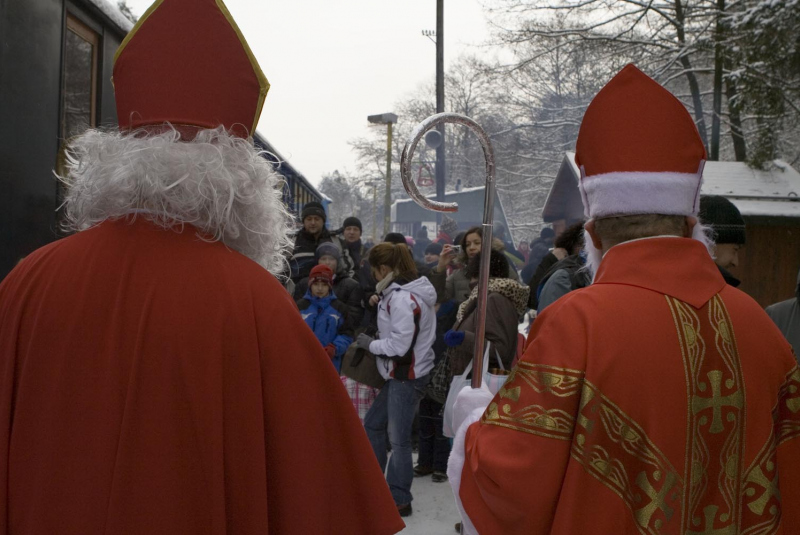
x=769 y=262
x=32 y=36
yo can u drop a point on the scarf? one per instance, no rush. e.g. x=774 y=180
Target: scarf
x=384 y=283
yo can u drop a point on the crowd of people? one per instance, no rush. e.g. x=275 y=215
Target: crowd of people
x=409 y=305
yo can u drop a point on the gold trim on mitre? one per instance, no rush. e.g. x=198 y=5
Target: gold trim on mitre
x=263 y=83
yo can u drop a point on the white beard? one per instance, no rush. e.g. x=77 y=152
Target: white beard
x=217 y=182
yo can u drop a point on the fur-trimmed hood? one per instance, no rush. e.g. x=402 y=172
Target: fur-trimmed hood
x=509 y=288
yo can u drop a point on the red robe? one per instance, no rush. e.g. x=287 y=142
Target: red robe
x=657 y=401
x=155 y=383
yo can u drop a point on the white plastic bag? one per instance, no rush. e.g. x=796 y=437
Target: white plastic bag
x=490 y=382
x=494 y=381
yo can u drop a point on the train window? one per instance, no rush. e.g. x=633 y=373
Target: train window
x=78 y=91
x=80 y=78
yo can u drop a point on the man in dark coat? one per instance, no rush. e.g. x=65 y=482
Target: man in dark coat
x=351 y=231
x=729 y=235
x=308 y=239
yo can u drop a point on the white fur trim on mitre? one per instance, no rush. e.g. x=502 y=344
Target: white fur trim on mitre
x=632 y=193
x=455 y=465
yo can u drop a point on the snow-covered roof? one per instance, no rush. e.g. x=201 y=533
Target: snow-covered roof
x=771 y=192
x=433 y=195
x=111 y=11
x=736 y=179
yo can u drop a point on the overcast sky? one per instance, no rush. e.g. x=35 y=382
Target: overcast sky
x=331 y=63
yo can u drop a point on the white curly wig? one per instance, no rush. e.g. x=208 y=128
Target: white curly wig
x=219 y=183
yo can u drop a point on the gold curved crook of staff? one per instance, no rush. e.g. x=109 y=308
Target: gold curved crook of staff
x=488 y=212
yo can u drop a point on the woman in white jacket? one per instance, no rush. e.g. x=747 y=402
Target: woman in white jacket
x=406 y=331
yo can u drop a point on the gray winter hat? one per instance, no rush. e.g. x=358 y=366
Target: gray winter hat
x=328 y=248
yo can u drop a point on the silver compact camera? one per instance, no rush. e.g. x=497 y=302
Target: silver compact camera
x=456 y=249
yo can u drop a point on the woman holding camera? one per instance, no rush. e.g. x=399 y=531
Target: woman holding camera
x=456 y=286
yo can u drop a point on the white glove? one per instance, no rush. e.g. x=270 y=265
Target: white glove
x=468 y=400
x=470 y=405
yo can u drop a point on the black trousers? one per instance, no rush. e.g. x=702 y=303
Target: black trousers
x=434 y=447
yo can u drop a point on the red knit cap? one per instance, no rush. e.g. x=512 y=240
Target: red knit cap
x=638 y=150
x=321 y=273
x=186 y=62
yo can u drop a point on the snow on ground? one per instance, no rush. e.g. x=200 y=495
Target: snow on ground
x=435 y=511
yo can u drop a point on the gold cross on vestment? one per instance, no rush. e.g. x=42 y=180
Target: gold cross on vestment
x=710 y=512
x=658 y=499
x=770 y=487
x=717 y=401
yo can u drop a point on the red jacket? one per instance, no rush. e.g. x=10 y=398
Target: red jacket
x=657 y=400
x=146 y=387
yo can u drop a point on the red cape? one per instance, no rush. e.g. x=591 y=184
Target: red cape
x=152 y=382
x=657 y=401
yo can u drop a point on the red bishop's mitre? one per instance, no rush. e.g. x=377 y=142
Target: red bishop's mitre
x=186 y=63
x=639 y=151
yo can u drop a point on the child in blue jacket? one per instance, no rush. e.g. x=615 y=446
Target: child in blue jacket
x=326 y=315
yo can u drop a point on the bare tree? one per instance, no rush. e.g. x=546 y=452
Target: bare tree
x=721 y=56
x=126 y=10
x=346 y=198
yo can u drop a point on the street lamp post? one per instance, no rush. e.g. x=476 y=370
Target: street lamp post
x=440 y=153
x=388 y=119
x=439 y=146
x=374 y=184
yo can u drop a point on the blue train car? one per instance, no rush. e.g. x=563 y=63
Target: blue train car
x=297 y=190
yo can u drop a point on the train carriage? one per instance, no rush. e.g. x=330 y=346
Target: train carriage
x=56 y=63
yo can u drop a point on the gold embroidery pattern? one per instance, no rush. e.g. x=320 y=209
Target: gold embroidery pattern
x=615 y=450
x=715 y=495
x=687 y=324
x=544 y=400
x=716 y=416
x=787 y=416
x=760 y=490
x=537 y=399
